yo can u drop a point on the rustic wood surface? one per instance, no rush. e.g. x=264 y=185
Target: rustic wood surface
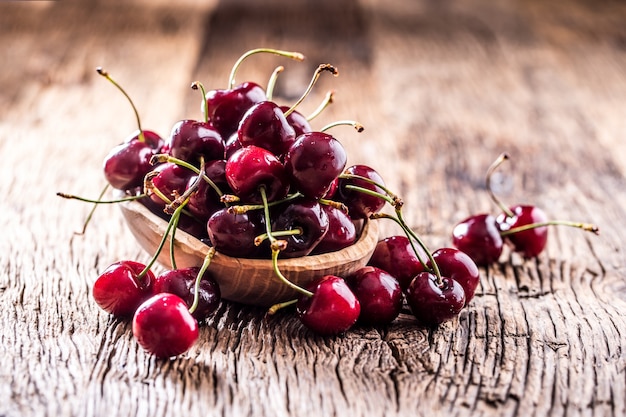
x=441 y=87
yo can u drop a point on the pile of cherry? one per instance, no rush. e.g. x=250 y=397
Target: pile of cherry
x=253 y=179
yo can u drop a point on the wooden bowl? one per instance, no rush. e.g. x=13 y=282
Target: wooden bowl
x=248 y=281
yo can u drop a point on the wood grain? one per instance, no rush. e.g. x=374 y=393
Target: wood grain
x=441 y=87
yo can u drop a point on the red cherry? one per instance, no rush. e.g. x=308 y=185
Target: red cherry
x=531 y=242
x=170 y=180
x=305 y=215
x=433 y=304
x=341 y=231
x=458 y=266
x=361 y=205
x=395 y=255
x=234 y=234
x=379 y=295
x=478 y=236
x=265 y=125
x=181 y=282
x=225 y=108
x=297 y=121
x=205 y=201
x=251 y=168
x=164 y=327
x=119 y=290
x=191 y=139
x=332 y=309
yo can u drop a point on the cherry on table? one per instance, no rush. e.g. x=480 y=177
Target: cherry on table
x=119 y=290
x=379 y=295
x=332 y=309
x=163 y=326
x=458 y=266
x=396 y=255
x=431 y=303
x=531 y=242
x=479 y=237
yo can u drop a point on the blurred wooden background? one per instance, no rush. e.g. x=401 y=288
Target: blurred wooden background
x=441 y=87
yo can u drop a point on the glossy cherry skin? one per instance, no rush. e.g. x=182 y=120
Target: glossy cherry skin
x=251 y=168
x=313 y=162
x=395 y=255
x=379 y=295
x=171 y=180
x=190 y=140
x=529 y=243
x=432 y=304
x=231 y=145
x=332 y=309
x=458 y=266
x=163 y=326
x=181 y=282
x=119 y=290
x=310 y=218
x=126 y=164
x=341 y=231
x=478 y=236
x=234 y=234
x=226 y=107
x=361 y=205
x=265 y=125
x=205 y=200
x=297 y=120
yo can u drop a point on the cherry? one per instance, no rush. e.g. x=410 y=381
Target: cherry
x=120 y=289
x=331 y=309
x=433 y=303
x=478 y=236
x=379 y=295
x=396 y=255
x=225 y=108
x=205 y=200
x=191 y=139
x=181 y=282
x=531 y=242
x=313 y=162
x=309 y=218
x=265 y=125
x=251 y=168
x=163 y=326
x=167 y=181
x=341 y=231
x=234 y=234
x=459 y=267
x=297 y=121
x=360 y=204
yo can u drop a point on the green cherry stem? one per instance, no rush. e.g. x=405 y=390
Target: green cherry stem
x=99 y=201
x=271 y=84
x=162 y=157
x=280 y=233
x=106 y=75
x=196 y=288
x=584 y=226
x=328 y=99
x=293 y=55
x=321 y=68
x=273 y=309
x=198 y=85
x=356 y=125
x=492 y=168
x=244 y=208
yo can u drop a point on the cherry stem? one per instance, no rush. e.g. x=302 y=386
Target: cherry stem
x=106 y=75
x=585 y=226
x=198 y=85
x=273 y=309
x=356 y=125
x=196 y=288
x=328 y=99
x=335 y=204
x=160 y=158
x=244 y=208
x=281 y=233
x=271 y=84
x=367 y=191
x=275 y=245
x=321 y=68
x=397 y=200
x=93 y=209
x=99 y=201
x=293 y=55
x=492 y=168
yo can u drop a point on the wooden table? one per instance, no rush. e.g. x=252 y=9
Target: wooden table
x=442 y=88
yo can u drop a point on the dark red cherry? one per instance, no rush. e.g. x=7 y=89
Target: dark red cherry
x=313 y=162
x=531 y=242
x=478 y=236
x=126 y=164
x=119 y=290
x=170 y=180
x=332 y=309
x=234 y=234
x=458 y=266
x=190 y=140
x=251 y=168
x=205 y=200
x=379 y=295
x=264 y=125
x=361 y=205
x=226 y=107
x=296 y=120
x=432 y=304
x=395 y=255
x=341 y=231
x=307 y=216
x=181 y=282
x=163 y=326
